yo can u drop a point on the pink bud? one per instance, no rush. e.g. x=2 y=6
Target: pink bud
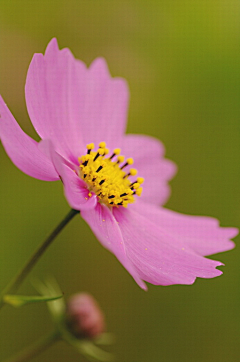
x=84 y=316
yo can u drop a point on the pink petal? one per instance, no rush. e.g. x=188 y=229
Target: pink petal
x=105 y=114
x=22 y=149
x=75 y=188
x=159 y=257
x=106 y=229
x=148 y=155
x=76 y=192
x=200 y=233
x=73 y=105
x=54 y=98
x=142 y=146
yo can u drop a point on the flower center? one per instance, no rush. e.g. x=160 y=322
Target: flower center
x=105 y=176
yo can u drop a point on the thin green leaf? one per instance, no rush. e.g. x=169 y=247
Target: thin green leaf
x=20 y=300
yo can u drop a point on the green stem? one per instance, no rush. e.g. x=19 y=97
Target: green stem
x=36 y=348
x=21 y=275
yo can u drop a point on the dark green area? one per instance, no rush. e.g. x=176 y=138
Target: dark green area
x=181 y=59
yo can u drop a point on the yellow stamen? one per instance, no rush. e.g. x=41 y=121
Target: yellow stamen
x=136 y=185
x=117 y=151
x=130 y=161
x=101 y=151
x=102 y=144
x=140 y=180
x=106 y=151
x=139 y=191
x=107 y=179
x=133 y=172
x=90 y=146
x=120 y=159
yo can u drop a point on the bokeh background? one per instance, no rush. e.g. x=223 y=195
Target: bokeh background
x=181 y=59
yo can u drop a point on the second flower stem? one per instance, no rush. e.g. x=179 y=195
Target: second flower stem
x=21 y=275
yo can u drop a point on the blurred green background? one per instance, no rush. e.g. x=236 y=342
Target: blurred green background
x=181 y=60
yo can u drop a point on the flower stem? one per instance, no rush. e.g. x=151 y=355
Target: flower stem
x=21 y=275
x=36 y=348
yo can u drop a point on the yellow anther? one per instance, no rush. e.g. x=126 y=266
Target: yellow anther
x=102 y=144
x=130 y=161
x=129 y=192
x=139 y=191
x=101 y=151
x=117 y=151
x=120 y=159
x=133 y=172
x=136 y=185
x=90 y=146
x=140 y=180
x=106 y=151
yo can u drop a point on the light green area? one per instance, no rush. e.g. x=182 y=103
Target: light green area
x=20 y=300
x=181 y=60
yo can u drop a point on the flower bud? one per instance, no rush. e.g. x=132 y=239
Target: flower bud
x=84 y=316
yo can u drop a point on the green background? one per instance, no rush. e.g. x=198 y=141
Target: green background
x=181 y=60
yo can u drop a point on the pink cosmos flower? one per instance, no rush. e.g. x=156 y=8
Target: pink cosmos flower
x=80 y=114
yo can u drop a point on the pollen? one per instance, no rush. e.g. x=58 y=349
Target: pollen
x=108 y=177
